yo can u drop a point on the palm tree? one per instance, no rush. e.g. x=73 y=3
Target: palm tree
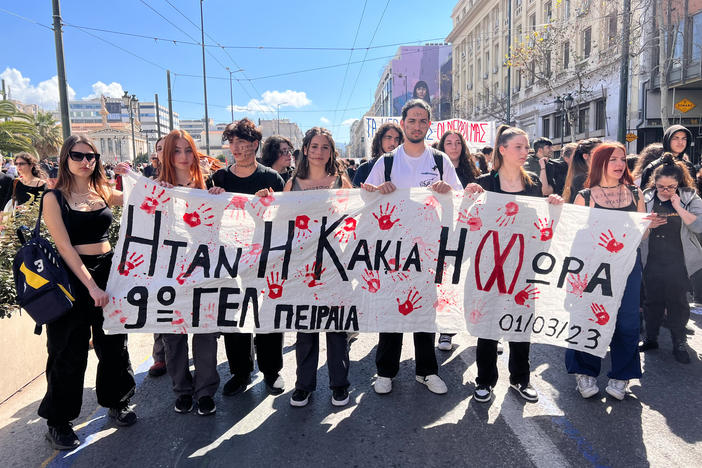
x=48 y=139
x=16 y=129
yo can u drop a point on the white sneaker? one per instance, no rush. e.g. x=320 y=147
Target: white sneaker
x=586 y=385
x=445 y=342
x=382 y=385
x=617 y=388
x=433 y=383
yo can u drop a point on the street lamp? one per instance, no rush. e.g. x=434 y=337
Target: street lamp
x=400 y=75
x=231 y=92
x=563 y=105
x=278 y=106
x=129 y=101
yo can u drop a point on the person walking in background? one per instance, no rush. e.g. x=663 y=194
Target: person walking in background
x=277 y=154
x=388 y=137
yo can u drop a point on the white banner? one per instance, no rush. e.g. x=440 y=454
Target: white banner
x=477 y=134
x=347 y=260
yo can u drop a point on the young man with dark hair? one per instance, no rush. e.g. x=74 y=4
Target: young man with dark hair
x=248 y=176
x=412 y=164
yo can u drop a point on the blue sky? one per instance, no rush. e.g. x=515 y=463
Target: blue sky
x=327 y=97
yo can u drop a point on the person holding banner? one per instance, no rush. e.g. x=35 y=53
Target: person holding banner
x=578 y=168
x=250 y=177
x=388 y=137
x=277 y=154
x=78 y=216
x=320 y=169
x=180 y=167
x=671 y=254
x=507 y=176
x=454 y=145
x=411 y=164
x=609 y=186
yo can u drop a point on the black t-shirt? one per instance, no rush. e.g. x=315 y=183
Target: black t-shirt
x=491 y=183
x=664 y=244
x=262 y=177
x=24 y=193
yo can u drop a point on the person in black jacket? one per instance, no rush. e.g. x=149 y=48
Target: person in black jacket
x=5 y=189
x=676 y=140
x=509 y=177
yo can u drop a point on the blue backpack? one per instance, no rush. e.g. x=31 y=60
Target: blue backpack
x=41 y=280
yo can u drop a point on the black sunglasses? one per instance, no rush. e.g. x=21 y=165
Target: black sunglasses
x=78 y=156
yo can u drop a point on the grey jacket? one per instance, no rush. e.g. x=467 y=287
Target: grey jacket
x=692 y=250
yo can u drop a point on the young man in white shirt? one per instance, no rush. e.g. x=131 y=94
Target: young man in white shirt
x=413 y=165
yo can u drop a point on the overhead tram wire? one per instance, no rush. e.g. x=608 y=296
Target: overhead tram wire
x=348 y=62
x=228 y=55
x=365 y=55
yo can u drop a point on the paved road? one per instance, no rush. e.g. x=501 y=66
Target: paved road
x=659 y=424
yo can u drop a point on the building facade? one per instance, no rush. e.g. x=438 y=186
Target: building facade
x=150 y=125
x=551 y=68
x=282 y=127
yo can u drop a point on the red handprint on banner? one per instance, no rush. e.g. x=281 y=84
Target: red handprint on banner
x=476 y=312
x=446 y=298
x=152 y=202
x=384 y=221
x=372 y=279
x=410 y=304
x=608 y=241
x=510 y=214
x=471 y=219
x=309 y=277
x=346 y=231
x=201 y=215
x=394 y=271
x=425 y=249
x=577 y=284
x=340 y=202
x=252 y=255
x=128 y=265
x=237 y=204
x=528 y=293
x=601 y=315
x=430 y=209
x=545 y=229
x=263 y=204
x=275 y=286
x=302 y=223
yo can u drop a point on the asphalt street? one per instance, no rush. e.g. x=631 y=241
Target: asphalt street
x=658 y=424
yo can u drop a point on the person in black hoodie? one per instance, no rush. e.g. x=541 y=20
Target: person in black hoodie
x=677 y=140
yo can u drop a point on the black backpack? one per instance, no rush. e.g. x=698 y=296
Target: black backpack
x=438 y=160
x=41 y=279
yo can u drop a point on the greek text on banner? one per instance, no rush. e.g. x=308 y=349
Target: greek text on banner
x=498 y=266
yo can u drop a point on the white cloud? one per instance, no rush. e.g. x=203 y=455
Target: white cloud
x=271 y=99
x=348 y=122
x=325 y=120
x=113 y=90
x=45 y=94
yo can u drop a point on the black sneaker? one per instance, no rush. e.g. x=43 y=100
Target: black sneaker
x=680 y=353
x=184 y=404
x=340 y=397
x=648 y=345
x=526 y=391
x=235 y=385
x=123 y=416
x=62 y=437
x=482 y=393
x=299 y=398
x=206 y=406
x=275 y=385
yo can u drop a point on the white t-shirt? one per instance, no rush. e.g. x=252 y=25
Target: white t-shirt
x=408 y=172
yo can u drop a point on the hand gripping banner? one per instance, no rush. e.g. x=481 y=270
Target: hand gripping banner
x=498 y=266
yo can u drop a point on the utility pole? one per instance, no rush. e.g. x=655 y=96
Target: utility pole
x=509 y=60
x=204 y=82
x=4 y=96
x=158 y=117
x=231 y=94
x=170 y=101
x=61 y=70
x=622 y=126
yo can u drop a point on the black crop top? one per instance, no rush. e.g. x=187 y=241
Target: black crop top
x=85 y=227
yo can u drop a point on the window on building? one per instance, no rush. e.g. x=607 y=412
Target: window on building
x=566 y=55
x=696 y=46
x=566 y=9
x=612 y=29
x=547 y=63
x=546 y=127
x=600 y=114
x=678 y=44
x=583 y=119
x=587 y=42
x=557 y=125
x=548 y=12
x=496 y=58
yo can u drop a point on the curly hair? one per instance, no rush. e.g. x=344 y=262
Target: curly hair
x=269 y=152
x=377 y=144
x=244 y=129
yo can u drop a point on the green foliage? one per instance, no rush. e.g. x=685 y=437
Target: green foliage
x=17 y=132
x=142 y=158
x=26 y=215
x=48 y=138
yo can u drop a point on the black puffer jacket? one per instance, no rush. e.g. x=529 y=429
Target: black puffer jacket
x=667 y=136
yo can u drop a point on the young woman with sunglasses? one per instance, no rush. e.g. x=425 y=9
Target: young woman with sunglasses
x=32 y=181
x=78 y=216
x=671 y=254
